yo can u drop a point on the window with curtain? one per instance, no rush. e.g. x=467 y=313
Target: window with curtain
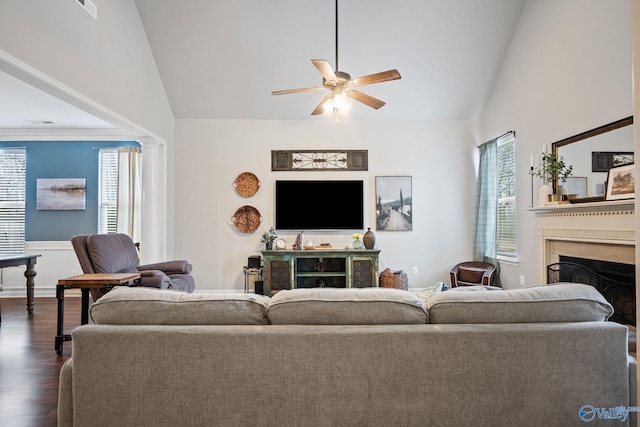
x=506 y=174
x=108 y=194
x=13 y=174
x=120 y=198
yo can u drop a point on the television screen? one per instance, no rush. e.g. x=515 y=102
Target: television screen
x=319 y=205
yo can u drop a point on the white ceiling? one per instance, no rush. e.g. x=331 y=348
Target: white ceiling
x=221 y=59
x=23 y=106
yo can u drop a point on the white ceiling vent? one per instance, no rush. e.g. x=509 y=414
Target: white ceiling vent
x=90 y=7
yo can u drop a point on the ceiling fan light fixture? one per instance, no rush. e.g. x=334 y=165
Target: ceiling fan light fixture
x=337 y=102
x=341 y=85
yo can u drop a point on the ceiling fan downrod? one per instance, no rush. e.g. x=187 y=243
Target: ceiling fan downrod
x=337 y=68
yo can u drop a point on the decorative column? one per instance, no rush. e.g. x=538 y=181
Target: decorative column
x=154 y=201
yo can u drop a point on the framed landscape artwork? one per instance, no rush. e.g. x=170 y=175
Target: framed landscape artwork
x=621 y=183
x=60 y=194
x=394 y=207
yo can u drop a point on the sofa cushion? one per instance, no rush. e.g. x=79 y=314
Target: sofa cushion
x=562 y=302
x=352 y=306
x=149 y=306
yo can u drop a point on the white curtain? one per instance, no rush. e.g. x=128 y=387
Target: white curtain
x=129 y=192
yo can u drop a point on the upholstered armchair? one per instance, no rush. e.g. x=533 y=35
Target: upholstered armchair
x=473 y=273
x=116 y=253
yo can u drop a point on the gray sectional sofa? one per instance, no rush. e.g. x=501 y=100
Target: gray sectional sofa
x=543 y=356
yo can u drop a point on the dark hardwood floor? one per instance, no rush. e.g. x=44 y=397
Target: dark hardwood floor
x=29 y=366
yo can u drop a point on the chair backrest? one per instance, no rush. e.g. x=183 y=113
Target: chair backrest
x=473 y=273
x=105 y=253
x=79 y=243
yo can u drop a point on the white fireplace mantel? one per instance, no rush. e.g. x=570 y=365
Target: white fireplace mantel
x=597 y=230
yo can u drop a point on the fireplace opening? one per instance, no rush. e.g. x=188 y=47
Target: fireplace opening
x=615 y=281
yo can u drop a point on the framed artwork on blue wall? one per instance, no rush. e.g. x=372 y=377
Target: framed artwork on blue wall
x=60 y=194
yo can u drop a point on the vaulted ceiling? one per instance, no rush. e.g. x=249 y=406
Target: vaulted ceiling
x=221 y=59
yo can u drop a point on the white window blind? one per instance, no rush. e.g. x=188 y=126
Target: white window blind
x=506 y=238
x=13 y=173
x=108 y=185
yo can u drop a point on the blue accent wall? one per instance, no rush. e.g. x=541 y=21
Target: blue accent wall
x=62 y=159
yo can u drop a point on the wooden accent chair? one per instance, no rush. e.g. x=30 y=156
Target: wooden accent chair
x=473 y=273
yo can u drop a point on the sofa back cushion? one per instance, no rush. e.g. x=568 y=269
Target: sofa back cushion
x=352 y=306
x=149 y=306
x=562 y=302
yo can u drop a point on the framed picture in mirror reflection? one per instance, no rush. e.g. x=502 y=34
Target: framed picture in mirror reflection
x=602 y=161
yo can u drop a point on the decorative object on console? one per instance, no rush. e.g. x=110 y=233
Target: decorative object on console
x=333 y=160
x=246 y=184
x=246 y=219
x=369 y=239
x=621 y=183
x=268 y=237
x=357 y=241
x=394 y=203
x=281 y=244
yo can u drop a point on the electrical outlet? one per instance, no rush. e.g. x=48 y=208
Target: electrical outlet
x=414 y=270
x=74 y=272
x=522 y=280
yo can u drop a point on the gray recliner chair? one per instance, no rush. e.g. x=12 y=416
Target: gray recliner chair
x=116 y=253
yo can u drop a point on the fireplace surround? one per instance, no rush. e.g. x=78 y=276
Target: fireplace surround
x=603 y=233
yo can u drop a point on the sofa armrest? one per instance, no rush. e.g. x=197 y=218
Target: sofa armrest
x=65 y=395
x=168 y=267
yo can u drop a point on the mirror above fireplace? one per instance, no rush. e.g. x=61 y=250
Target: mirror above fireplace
x=592 y=153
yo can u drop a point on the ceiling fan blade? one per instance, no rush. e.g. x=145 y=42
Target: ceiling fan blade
x=365 y=99
x=325 y=69
x=306 y=89
x=383 y=76
x=320 y=107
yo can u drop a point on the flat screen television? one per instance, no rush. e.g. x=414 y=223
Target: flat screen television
x=319 y=205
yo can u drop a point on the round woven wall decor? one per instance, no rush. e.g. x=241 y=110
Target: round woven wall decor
x=246 y=184
x=246 y=219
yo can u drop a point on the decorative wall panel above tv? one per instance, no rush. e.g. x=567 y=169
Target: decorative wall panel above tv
x=317 y=160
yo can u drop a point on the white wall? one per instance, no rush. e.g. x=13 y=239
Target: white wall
x=107 y=60
x=211 y=154
x=568 y=70
x=105 y=65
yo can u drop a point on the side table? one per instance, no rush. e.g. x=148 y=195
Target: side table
x=85 y=282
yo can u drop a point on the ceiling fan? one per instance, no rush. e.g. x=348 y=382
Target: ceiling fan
x=342 y=85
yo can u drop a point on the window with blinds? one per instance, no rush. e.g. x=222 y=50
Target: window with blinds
x=13 y=174
x=108 y=197
x=506 y=238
